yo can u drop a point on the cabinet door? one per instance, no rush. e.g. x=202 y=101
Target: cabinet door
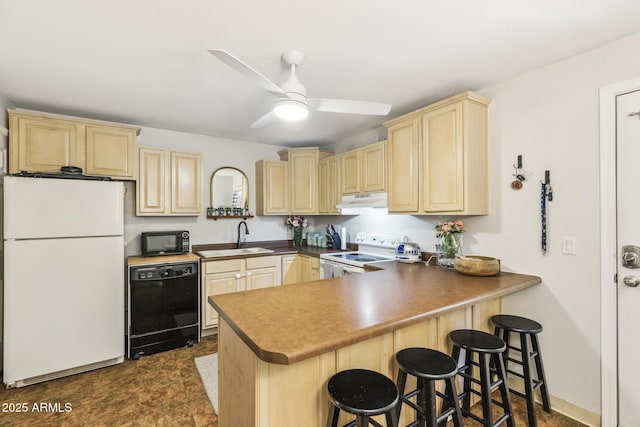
x=350 y=172
x=442 y=174
x=272 y=187
x=372 y=175
x=402 y=166
x=323 y=186
x=110 y=151
x=216 y=284
x=186 y=183
x=151 y=186
x=261 y=278
x=303 y=181
x=334 y=195
x=309 y=268
x=329 y=195
x=291 y=271
x=41 y=144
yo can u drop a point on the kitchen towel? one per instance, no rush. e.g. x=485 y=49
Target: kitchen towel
x=343 y=238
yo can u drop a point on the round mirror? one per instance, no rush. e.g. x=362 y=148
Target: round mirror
x=229 y=188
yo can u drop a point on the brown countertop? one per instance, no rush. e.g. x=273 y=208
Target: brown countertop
x=142 y=260
x=287 y=324
x=277 y=250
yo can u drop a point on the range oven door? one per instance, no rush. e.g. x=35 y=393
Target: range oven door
x=348 y=270
x=330 y=269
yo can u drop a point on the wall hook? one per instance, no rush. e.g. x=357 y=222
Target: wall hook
x=547 y=185
x=517 y=183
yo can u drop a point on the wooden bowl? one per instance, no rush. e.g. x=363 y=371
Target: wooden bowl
x=476 y=265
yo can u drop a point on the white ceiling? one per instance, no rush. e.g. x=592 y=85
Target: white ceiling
x=145 y=62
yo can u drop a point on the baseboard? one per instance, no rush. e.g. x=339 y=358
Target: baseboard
x=563 y=407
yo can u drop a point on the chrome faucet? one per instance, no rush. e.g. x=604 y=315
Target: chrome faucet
x=242 y=236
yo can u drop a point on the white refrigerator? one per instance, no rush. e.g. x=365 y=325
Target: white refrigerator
x=63 y=277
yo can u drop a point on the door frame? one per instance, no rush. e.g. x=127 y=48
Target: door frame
x=608 y=250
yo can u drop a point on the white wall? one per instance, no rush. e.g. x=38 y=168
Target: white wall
x=550 y=116
x=217 y=152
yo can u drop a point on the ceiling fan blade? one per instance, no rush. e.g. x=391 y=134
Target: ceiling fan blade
x=348 y=106
x=265 y=120
x=247 y=71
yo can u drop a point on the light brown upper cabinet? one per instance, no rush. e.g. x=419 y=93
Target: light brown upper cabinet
x=169 y=183
x=328 y=185
x=272 y=187
x=363 y=170
x=110 y=151
x=350 y=172
x=291 y=185
x=303 y=180
x=437 y=158
x=40 y=142
x=373 y=167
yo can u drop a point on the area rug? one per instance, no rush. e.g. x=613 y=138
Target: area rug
x=208 y=370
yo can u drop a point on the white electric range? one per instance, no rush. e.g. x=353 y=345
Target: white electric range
x=373 y=248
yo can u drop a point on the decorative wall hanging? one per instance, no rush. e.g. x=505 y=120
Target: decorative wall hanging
x=517 y=183
x=546 y=195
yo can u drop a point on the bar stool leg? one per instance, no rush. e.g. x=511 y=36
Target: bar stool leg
x=421 y=400
x=392 y=419
x=546 y=404
x=452 y=401
x=332 y=419
x=432 y=416
x=362 y=421
x=528 y=382
x=485 y=378
x=466 y=400
x=401 y=382
x=504 y=389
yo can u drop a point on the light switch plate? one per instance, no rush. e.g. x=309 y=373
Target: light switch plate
x=569 y=245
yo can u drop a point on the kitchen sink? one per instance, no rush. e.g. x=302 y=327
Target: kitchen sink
x=231 y=252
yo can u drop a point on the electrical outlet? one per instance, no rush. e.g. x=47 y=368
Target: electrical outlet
x=569 y=245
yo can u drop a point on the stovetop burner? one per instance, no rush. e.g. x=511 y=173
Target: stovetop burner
x=374 y=248
x=356 y=256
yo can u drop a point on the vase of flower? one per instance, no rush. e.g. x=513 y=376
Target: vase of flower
x=298 y=224
x=448 y=247
x=297 y=236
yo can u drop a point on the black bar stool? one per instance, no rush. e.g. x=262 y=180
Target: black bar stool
x=489 y=349
x=526 y=328
x=363 y=393
x=428 y=366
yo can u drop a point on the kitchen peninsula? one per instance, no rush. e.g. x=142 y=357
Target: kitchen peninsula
x=279 y=346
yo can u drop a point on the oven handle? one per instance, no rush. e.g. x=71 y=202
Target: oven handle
x=353 y=270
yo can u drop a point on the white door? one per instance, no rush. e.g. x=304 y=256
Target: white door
x=628 y=219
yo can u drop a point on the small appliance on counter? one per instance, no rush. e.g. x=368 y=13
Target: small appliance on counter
x=408 y=253
x=156 y=243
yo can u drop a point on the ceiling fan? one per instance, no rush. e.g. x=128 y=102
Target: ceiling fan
x=291 y=101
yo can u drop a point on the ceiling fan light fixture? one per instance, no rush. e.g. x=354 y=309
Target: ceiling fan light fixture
x=291 y=110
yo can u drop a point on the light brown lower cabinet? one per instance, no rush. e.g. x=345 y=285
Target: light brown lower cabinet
x=255 y=393
x=236 y=275
x=300 y=268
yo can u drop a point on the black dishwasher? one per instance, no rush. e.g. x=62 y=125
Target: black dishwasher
x=164 y=307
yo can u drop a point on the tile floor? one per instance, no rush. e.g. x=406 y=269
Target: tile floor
x=163 y=389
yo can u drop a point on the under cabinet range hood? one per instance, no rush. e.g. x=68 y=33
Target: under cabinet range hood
x=352 y=204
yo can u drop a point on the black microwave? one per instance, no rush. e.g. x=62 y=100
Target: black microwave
x=154 y=243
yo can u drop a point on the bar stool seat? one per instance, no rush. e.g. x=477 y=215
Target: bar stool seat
x=528 y=331
x=363 y=393
x=428 y=366
x=489 y=349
